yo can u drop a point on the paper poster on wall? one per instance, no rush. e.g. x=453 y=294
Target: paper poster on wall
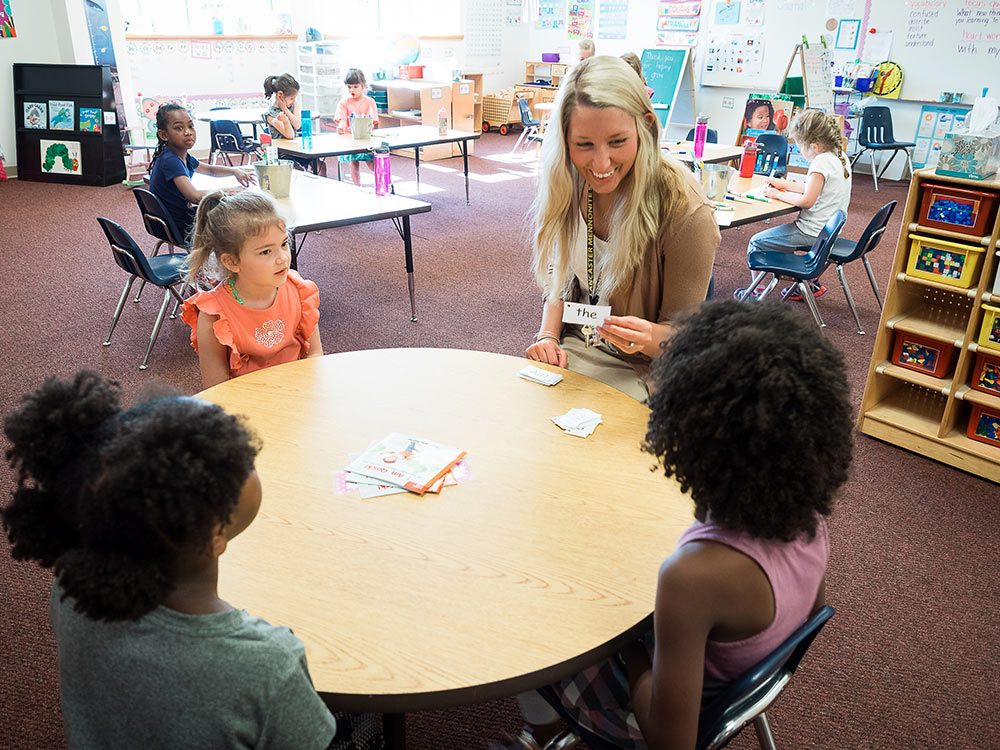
x=676 y=39
x=816 y=60
x=732 y=57
x=669 y=23
x=878 y=45
x=551 y=15
x=753 y=12
x=61 y=114
x=201 y=50
x=679 y=8
x=612 y=18
x=60 y=157
x=513 y=11
x=727 y=12
x=6 y=20
x=581 y=20
x=36 y=115
x=847 y=33
x=934 y=124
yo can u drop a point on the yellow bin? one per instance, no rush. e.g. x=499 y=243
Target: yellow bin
x=989 y=334
x=937 y=259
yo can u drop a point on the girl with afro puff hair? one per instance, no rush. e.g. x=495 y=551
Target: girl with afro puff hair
x=750 y=412
x=132 y=509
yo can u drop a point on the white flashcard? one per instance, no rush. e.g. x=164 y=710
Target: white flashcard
x=538 y=375
x=588 y=315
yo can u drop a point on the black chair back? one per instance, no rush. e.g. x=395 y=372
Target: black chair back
x=876 y=127
x=711 y=136
x=772 y=154
x=525 y=109
x=872 y=234
x=128 y=255
x=158 y=222
x=228 y=127
x=757 y=684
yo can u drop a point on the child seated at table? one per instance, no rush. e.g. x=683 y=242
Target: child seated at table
x=284 y=119
x=750 y=412
x=132 y=508
x=253 y=319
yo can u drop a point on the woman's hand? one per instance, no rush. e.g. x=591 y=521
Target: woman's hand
x=548 y=351
x=245 y=178
x=630 y=334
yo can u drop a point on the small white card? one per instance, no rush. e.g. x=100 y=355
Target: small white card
x=724 y=218
x=538 y=375
x=578 y=422
x=588 y=315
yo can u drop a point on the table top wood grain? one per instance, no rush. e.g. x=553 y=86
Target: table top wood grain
x=543 y=563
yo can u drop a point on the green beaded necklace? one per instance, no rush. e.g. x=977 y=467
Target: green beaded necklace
x=232 y=288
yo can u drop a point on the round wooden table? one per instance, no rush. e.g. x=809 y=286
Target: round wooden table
x=543 y=563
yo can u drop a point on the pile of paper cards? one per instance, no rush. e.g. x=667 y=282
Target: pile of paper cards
x=400 y=463
x=579 y=422
x=538 y=375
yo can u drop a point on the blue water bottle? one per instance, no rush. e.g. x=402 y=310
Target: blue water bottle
x=307 y=123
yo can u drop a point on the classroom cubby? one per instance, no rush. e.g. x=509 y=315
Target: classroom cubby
x=66 y=124
x=928 y=414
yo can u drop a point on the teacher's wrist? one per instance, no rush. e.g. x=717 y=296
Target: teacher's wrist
x=543 y=334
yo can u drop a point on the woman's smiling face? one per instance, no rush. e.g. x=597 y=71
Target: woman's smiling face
x=603 y=144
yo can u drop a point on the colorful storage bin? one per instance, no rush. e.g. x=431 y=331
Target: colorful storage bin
x=984 y=425
x=936 y=259
x=964 y=210
x=986 y=374
x=922 y=354
x=989 y=333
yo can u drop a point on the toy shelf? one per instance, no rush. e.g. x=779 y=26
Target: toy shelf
x=914 y=410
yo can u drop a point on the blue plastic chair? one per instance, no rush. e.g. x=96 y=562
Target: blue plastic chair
x=228 y=139
x=800 y=268
x=164 y=271
x=848 y=251
x=772 y=154
x=712 y=136
x=159 y=224
x=875 y=134
x=743 y=702
x=531 y=127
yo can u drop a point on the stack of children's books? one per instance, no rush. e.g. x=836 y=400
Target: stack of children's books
x=400 y=463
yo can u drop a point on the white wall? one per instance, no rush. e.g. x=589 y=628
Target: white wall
x=43 y=36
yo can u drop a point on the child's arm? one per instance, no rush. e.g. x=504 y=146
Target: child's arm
x=282 y=125
x=315 y=345
x=213 y=357
x=807 y=197
x=789 y=185
x=292 y=114
x=218 y=170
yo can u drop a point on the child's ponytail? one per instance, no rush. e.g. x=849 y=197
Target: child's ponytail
x=285 y=83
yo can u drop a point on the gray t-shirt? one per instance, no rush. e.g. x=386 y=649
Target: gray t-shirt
x=175 y=681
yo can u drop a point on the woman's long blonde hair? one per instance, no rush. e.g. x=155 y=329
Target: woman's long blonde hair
x=225 y=221
x=647 y=194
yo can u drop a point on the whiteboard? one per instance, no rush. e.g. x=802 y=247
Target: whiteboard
x=942 y=45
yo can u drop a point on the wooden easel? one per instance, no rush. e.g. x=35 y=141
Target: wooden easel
x=673 y=94
x=800 y=53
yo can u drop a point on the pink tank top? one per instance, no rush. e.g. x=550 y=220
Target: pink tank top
x=794 y=569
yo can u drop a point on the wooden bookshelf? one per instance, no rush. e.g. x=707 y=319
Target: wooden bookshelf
x=913 y=410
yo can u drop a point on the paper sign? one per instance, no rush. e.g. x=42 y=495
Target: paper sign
x=592 y=315
x=436 y=93
x=110 y=118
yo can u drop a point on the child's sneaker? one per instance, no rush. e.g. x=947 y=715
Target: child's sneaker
x=756 y=292
x=792 y=292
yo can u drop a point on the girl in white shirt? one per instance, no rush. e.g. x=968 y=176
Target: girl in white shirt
x=827 y=187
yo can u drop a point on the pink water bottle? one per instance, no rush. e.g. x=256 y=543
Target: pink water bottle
x=383 y=174
x=700 y=134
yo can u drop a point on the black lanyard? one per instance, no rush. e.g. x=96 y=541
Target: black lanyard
x=594 y=296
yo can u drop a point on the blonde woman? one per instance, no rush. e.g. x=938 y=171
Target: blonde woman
x=648 y=245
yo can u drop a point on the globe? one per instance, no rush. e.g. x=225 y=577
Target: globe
x=403 y=49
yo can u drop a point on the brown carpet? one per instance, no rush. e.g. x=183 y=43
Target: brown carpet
x=911 y=658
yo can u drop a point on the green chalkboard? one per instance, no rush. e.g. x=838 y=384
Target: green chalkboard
x=663 y=69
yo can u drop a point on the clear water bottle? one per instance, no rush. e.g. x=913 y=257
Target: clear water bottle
x=383 y=173
x=700 y=135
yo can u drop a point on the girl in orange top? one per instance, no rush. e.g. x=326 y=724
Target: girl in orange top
x=253 y=319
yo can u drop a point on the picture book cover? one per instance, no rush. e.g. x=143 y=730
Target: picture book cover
x=409 y=462
x=90 y=120
x=60 y=157
x=36 y=115
x=61 y=115
x=767 y=113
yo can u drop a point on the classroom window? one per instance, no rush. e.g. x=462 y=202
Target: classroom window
x=204 y=17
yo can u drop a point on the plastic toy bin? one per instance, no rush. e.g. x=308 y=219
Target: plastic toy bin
x=989 y=334
x=986 y=373
x=964 y=210
x=984 y=425
x=922 y=354
x=936 y=259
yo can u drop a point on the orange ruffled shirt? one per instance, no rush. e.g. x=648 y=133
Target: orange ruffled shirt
x=259 y=338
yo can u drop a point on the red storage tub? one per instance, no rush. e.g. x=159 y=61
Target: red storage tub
x=411 y=71
x=984 y=425
x=986 y=374
x=957 y=209
x=922 y=354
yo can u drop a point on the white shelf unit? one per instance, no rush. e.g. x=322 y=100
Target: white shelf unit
x=320 y=76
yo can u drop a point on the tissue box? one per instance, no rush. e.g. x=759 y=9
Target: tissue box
x=974 y=157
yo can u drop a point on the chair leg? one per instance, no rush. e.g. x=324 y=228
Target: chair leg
x=157 y=246
x=807 y=295
x=521 y=137
x=764 y=736
x=118 y=309
x=178 y=299
x=156 y=328
x=769 y=288
x=874 y=169
x=871 y=278
x=850 y=297
x=753 y=285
